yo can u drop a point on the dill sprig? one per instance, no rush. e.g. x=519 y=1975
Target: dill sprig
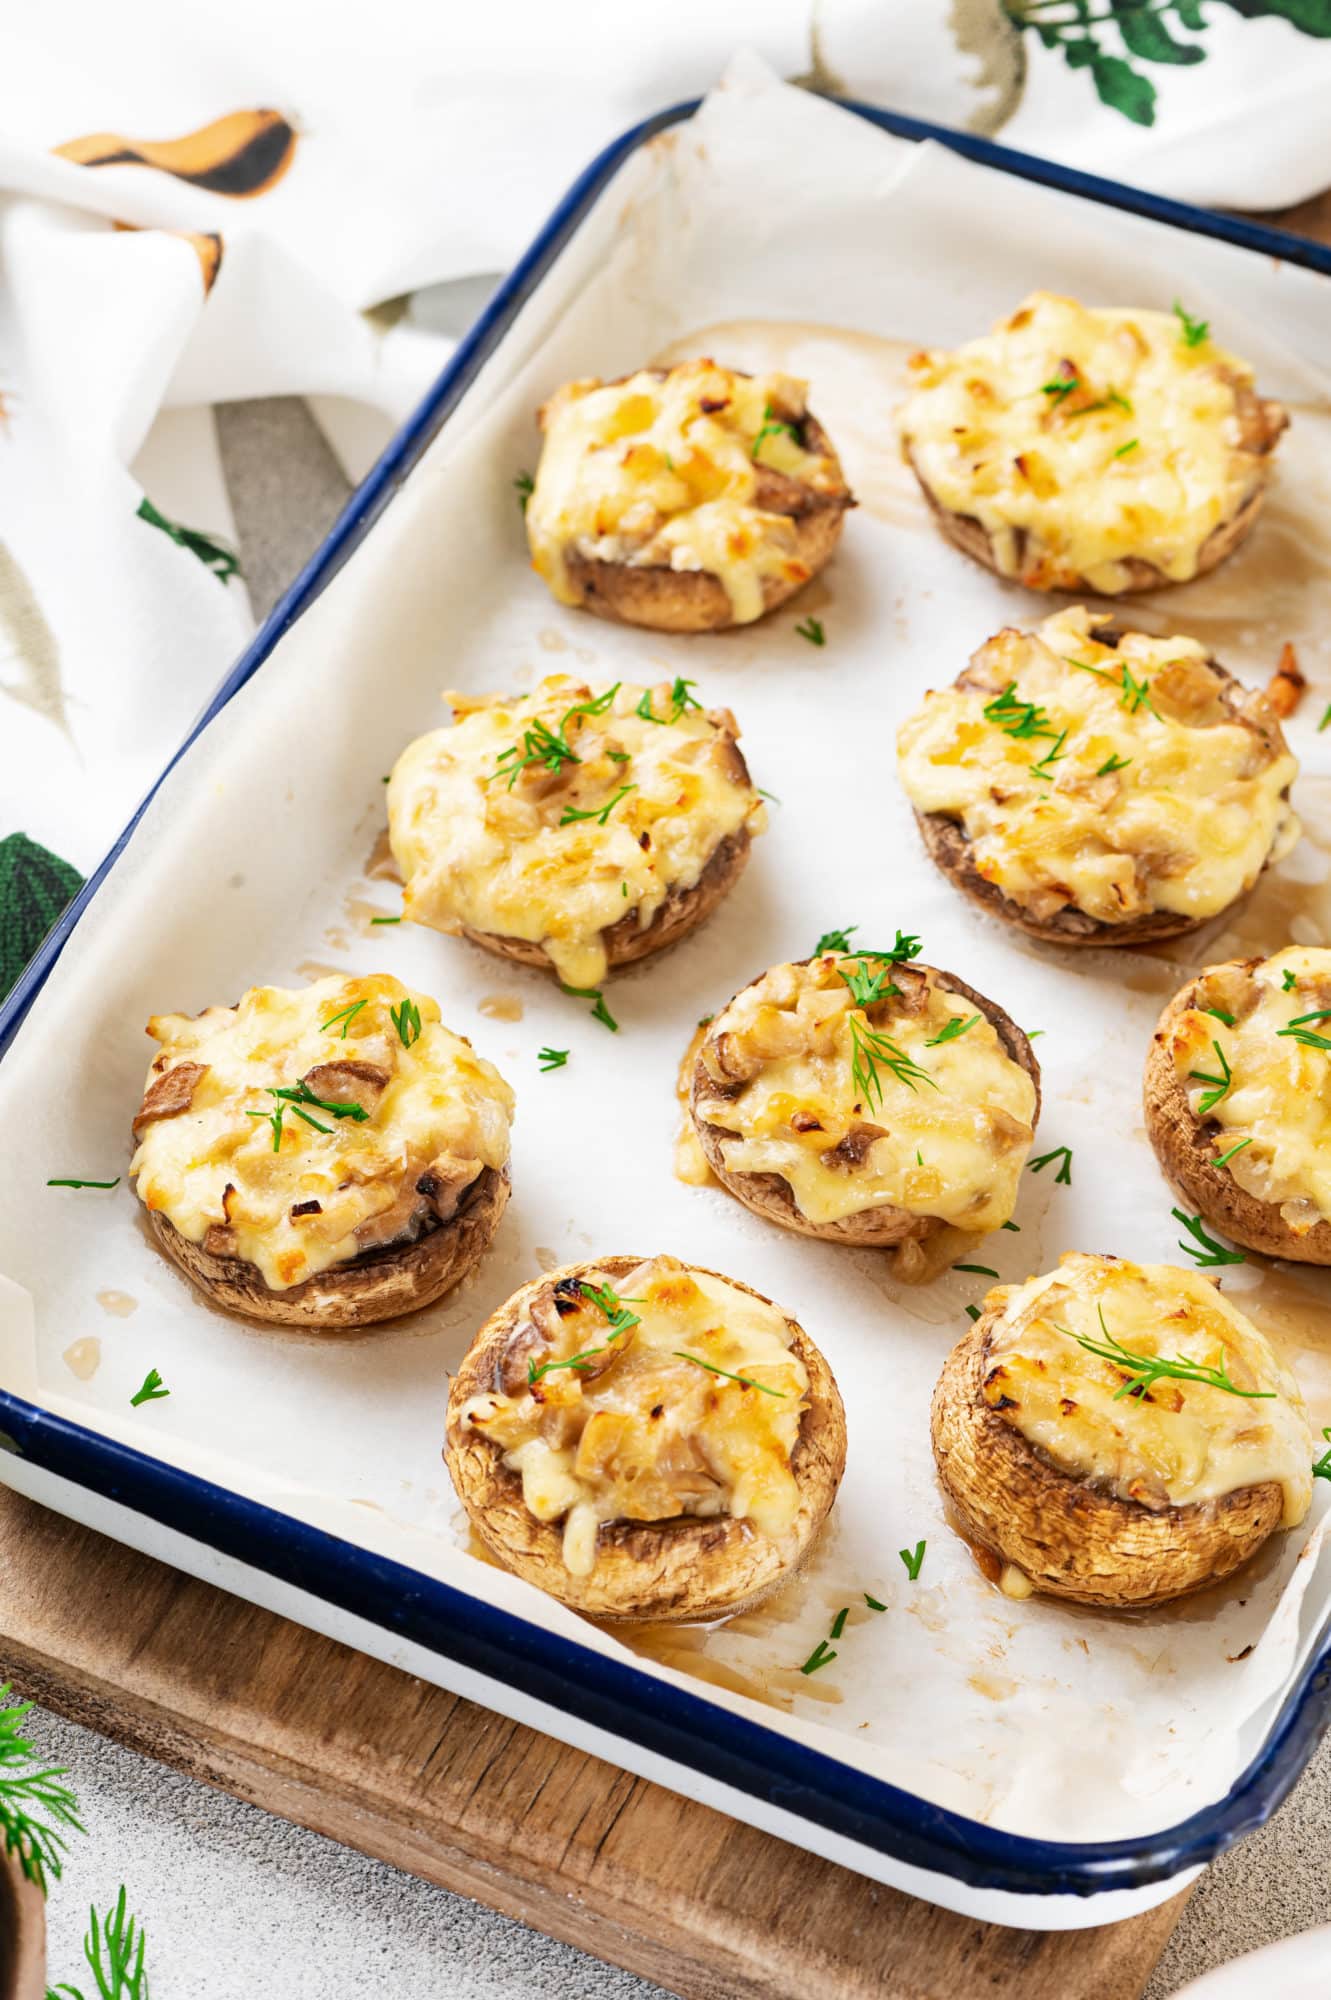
x=681 y=698
x=601 y=814
x=1143 y=1371
x=913 y=1559
x=86 y=1184
x=345 y=1015
x=772 y=427
x=812 y=630
x=524 y=486
x=1018 y=718
x=872 y=1051
x=1225 y=1158
x=616 y=1311
x=821 y=1656
x=1113 y=763
x=953 y=1032
x=552 y=1058
x=300 y=1093
x=1204 y=1248
x=545 y=746
x=835 y=940
x=114 y=1948
x=1124 y=449
x=1321 y=1467
x=1219 y=1085
x=1063 y=1154
x=1298 y=1031
x=407 y=1020
x=1192 y=331
x=34 y=1805
x=152 y=1391
x=745 y=1381
x=600 y=1012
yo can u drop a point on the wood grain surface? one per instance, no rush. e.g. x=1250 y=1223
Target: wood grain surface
x=386 y=1763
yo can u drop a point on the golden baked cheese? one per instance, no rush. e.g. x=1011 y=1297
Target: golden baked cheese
x=668 y=1392
x=301 y=1129
x=911 y=1100
x=555 y=816
x=1263 y=1077
x=1082 y=439
x=1179 y=1441
x=1115 y=780
x=680 y=469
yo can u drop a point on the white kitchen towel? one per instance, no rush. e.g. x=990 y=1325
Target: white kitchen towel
x=197 y=207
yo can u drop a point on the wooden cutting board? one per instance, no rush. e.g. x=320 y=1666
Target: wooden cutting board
x=386 y=1763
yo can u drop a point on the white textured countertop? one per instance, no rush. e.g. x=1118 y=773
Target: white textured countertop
x=239 y=1906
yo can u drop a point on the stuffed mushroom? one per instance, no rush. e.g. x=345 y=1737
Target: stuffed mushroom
x=644 y=1438
x=1118 y=1434
x=686 y=498
x=572 y=830
x=1091 y=449
x=325 y=1157
x=1098 y=787
x=1238 y=1100
x=865 y=1099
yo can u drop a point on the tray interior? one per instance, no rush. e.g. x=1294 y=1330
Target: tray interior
x=252 y=866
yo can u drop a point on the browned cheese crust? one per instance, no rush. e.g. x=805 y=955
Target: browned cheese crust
x=948 y=846
x=682 y=1569
x=1262 y=421
x=1186 y=1148
x=768 y=1195
x=381 y=1284
x=674 y=600
x=682 y=911
x=1071 y=1540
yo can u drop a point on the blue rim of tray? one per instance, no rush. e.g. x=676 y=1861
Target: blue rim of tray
x=606 y=1693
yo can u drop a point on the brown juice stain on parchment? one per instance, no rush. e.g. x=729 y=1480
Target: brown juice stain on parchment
x=119 y=1304
x=316 y=968
x=857 y=381
x=83 y=1358
x=500 y=1007
x=380 y=863
x=363 y=914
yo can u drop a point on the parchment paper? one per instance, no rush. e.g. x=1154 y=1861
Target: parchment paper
x=774 y=229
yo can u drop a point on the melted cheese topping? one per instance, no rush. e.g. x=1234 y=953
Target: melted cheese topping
x=654 y=799
x=1183 y=1442
x=1081 y=439
x=666 y=469
x=943 y=1133
x=318 y=1197
x=1278 y=1098
x=639 y=1432
x=1120 y=796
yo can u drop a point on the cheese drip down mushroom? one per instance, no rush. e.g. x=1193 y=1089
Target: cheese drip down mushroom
x=1173 y=1442
x=664 y=1393
x=302 y=1129
x=921 y=1103
x=573 y=828
x=1098 y=775
x=1091 y=449
x=662 y=493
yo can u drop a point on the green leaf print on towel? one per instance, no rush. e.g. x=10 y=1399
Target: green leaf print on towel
x=35 y=886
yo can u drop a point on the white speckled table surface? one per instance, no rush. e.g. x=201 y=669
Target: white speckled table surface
x=240 y=1906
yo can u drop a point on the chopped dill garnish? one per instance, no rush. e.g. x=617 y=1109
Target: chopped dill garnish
x=346 y=1016
x=874 y=1605
x=745 y=1381
x=1124 y=449
x=524 y=486
x=839 y=1622
x=152 y=1390
x=1219 y=1014
x=979 y=1270
x=1225 y=1158
x=953 y=1032
x=835 y=940
x=913 y=1558
x=601 y=814
x=1204 y=1248
x=1111 y=764
x=1219 y=1084
x=407 y=1020
x=1063 y=1154
x=772 y=427
x=1192 y=331
x=552 y=1058
x=972 y=1312
x=1143 y=1371
x=86 y=1184
x=821 y=1656
x=812 y=630
x=600 y=1012
x=1289 y=980
x=681 y=698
